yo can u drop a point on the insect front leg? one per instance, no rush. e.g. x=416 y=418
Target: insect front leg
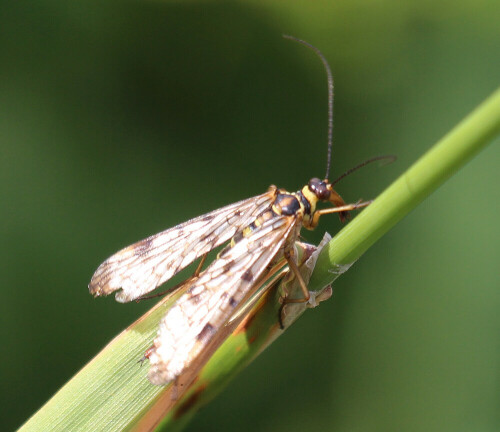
x=345 y=208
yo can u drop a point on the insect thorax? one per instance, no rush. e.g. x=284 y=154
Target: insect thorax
x=300 y=206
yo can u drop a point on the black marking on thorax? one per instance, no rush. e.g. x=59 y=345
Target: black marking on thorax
x=287 y=203
x=305 y=203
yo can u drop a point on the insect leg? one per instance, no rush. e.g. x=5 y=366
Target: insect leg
x=200 y=265
x=295 y=270
x=341 y=209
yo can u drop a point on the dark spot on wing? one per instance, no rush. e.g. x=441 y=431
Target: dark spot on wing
x=206 y=334
x=237 y=237
x=227 y=266
x=204 y=237
x=142 y=247
x=247 y=276
x=232 y=302
x=195 y=298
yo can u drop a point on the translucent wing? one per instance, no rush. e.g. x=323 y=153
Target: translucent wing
x=141 y=267
x=207 y=305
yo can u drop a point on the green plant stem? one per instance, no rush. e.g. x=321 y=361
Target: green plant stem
x=412 y=187
x=112 y=393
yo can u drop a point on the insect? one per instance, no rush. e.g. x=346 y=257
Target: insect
x=261 y=230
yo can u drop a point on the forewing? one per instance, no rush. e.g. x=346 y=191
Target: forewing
x=141 y=267
x=207 y=305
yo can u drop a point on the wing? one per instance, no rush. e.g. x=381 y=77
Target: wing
x=194 y=319
x=141 y=267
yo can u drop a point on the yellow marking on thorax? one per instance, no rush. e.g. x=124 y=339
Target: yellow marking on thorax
x=311 y=197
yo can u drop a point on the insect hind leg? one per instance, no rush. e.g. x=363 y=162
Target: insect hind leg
x=200 y=266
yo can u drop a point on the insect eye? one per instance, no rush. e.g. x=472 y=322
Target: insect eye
x=319 y=188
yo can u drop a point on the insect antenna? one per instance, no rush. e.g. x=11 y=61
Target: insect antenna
x=389 y=159
x=330 y=96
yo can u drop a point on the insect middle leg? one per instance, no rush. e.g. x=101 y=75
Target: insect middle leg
x=289 y=256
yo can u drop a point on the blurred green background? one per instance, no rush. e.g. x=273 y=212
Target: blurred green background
x=119 y=120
